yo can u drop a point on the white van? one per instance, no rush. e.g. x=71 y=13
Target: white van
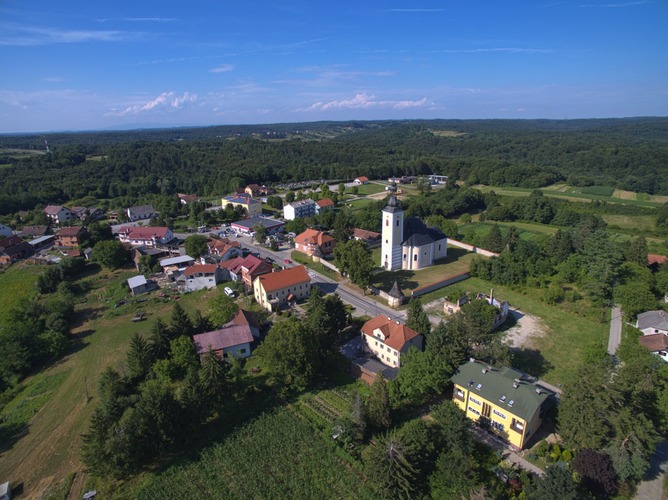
x=229 y=292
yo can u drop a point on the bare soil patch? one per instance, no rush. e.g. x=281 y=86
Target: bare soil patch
x=526 y=329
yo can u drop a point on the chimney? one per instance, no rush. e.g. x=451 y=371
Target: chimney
x=471 y=360
x=537 y=390
x=484 y=370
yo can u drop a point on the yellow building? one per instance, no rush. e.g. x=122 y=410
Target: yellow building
x=275 y=290
x=502 y=400
x=251 y=206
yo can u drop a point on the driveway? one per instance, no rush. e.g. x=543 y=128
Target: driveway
x=651 y=487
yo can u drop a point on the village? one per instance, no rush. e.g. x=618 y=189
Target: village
x=254 y=258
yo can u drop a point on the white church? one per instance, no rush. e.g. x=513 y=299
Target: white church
x=409 y=244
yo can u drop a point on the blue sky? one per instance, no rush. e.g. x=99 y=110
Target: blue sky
x=79 y=65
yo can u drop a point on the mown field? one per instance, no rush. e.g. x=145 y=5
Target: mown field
x=17 y=283
x=570 y=193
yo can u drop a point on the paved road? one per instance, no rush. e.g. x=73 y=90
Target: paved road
x=615 y=330
x=651 y=487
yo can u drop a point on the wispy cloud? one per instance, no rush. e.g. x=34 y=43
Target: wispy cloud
x=491 y=49
x=224 y=68
x=336 y=75
x=53 y=79
x=164 y=100
x=615 y=5
x=366 y=101
x=415 y=10
x=139 y=19
x=14 y=35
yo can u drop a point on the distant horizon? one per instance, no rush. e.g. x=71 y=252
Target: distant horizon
x=147 y=127
x=90 y=66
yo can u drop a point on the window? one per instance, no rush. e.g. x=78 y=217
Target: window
x=397 y=222
x=517 y=425
x=497 y=426
x=415 y=258
x=499 y=414
x=404 y=257
x=387 y=221
x=242 y=351
x=386 y=241
x=475 y=401
x=439 y=246
x=459 y=394
x=389 y=350
x=474 y=411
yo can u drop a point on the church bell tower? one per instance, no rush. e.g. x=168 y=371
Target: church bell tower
x=393 y=235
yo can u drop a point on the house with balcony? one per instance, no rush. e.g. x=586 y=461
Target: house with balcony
x=276 y=290
x=303 y=208
x=59 y=214
x=148 y=236
x=201 y=276
x=506 y=401
x=388 y=339
x=71 y=237
x=312 y=242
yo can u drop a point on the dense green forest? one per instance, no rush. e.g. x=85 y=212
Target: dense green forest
x=627 y=154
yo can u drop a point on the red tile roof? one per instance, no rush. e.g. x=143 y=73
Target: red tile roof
x=71 y=231
x=363 y=234
x=231 y=263
x=362 y=179
x=325 y=202
x=655 y=259
x=655 y=342
x=52 y=209
x=226 y=337
x=311 y=236
x=243 y=317
x=283 y=279
x=10 y=242
x=201 y=268
x=396 y=334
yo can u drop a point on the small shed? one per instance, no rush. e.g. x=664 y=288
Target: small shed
x=139 y=284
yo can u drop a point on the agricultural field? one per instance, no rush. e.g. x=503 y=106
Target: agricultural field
x=276 y=455
x=554 y=352
x=48 y=452
x=17 y=283
x=570 y=193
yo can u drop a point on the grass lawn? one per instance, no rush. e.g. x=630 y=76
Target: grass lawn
x=645 y=223
x=50 y=451
x=16 y=284
x=457 y=262
x=367 y=189
x=568 y=337
x=304 y=259
x=359 y=203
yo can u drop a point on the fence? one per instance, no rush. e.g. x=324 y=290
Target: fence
x=440 y=284
x=472 y=248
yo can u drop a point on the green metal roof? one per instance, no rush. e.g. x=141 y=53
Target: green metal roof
x=499 y=386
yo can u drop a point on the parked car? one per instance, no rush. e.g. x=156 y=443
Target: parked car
x=229 y=292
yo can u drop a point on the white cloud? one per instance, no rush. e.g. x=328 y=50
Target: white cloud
x=163 y=100
x=366 y=101
x=14 y=35
x=53 y=79
x=222 y=68
x=615 y=5
x=139 y=19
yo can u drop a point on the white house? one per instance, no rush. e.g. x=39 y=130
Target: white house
x=59 y=214
x=387 y=339
x=139 y=284
x=303 y=208
x=651 y=322
x=202 y=276
x=145 y=235
x=142 y=212
x=361 y=180
x=409 y=244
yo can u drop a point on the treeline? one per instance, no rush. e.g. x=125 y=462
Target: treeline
x=628 y=154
